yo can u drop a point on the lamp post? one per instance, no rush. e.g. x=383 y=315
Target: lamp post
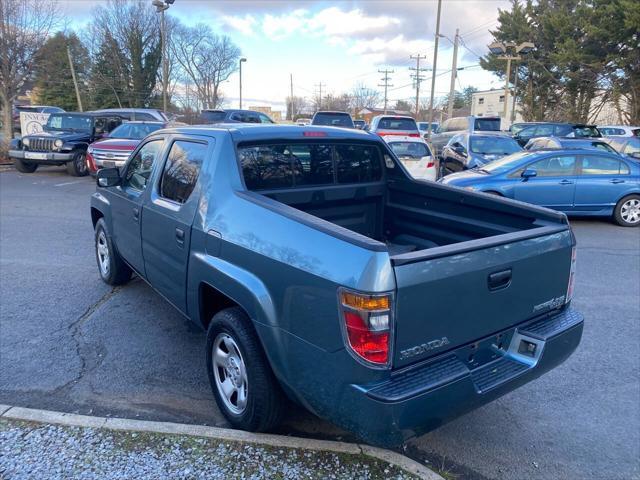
x=161 y=6
x=504 y=51
x=242 y=60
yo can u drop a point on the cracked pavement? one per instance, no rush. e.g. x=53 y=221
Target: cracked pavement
x=68 y=342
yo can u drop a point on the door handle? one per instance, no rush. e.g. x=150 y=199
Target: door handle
x=566 y=182
x=180 y=236
x=136 y=214
x=616 y=180
x=499 y=280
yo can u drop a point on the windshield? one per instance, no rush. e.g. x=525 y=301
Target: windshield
x=59 y=121
x=507 y=163
x=494 y=145
x=333 y=119
x=410 y=149
x=487 y=124
x=397 y=124
x=135 y=131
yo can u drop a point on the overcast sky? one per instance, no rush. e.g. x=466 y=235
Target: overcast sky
x=338 y=43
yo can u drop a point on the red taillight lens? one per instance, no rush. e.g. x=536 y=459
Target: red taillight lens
x=367 y=325
x=414 y=135
x=314 y=134
x=572 y=275
x=430 y=164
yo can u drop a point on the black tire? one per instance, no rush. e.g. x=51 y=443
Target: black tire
x=621 y=213
x=116 y=271
x=78 y=166
x=24 y=167
x=265 y=401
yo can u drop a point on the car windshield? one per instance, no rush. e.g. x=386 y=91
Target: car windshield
x=487 y=124
x=397 y=124
x=333 y=119
x=410 y=149
x=59 y=121
x=494 y=145
x=507 y=163
x=135 y=131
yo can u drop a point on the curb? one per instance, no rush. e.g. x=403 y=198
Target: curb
x=224 y=434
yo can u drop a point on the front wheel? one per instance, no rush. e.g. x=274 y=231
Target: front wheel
x=627 y=211
x=113 y=270
x=243 y=384
x=77 y=167
x=24 y=167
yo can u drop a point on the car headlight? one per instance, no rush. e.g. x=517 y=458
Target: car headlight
x=25 y=142
x=58 y=143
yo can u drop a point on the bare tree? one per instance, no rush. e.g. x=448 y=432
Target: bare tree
x=206 y=59
x=363 y=97
x=24 y=28
x=299 y=106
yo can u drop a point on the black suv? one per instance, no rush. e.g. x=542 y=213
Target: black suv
x=64 y=141
x=233 y=116
x=550 y=129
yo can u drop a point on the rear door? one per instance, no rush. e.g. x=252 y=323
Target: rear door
x=553 y=186
x=449 y=301
x=167 y=218
x=601 y=181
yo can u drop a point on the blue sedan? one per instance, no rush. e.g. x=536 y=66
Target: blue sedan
x=576 y=182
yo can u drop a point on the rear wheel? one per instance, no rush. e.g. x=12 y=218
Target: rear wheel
x=78 y=166
x=627 y=211
x=243 y=384
x=24 y=167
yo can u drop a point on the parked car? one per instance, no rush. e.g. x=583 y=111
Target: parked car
x=471 y=150
x=515 y=128
x=456 y=125
x=550 y=129
x=573 y=181
x=64 y=141
x=114 y=149
x=619 y=131
x=136 y=114
x=303 y=122
x=629 y=146
x=333 y=119
x=360 y=124
x=31 y=109
x=415 y=156
x=233 y=116
x=423 y=127
x=558 y=143
x=324 y=303
x=384 y=125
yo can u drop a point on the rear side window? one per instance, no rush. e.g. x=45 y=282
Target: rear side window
x=181 y=170
x=390 y=123
x=597 y=165
x=270 y=167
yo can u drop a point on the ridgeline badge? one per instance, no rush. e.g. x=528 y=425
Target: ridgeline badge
x=424 y=348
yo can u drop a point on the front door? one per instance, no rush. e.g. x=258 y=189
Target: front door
x=554 y=184
x=126 y=203
x=167 y=217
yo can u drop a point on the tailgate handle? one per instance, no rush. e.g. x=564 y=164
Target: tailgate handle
x=499 y=280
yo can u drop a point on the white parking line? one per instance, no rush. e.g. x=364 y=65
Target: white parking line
x=66 y=183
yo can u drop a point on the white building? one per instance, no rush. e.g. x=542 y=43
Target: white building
x=490 y=103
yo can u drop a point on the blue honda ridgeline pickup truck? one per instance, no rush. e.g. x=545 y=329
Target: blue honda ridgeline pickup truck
x=324 y=274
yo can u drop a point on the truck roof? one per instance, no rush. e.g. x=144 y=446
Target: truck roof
x=252 y=131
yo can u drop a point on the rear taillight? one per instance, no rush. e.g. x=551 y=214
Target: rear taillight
x=572 y=276
x=367 y=325
x=415 y=135
x=430 y=164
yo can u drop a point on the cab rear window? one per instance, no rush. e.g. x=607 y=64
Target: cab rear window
x=397 y=124
x=282 y=166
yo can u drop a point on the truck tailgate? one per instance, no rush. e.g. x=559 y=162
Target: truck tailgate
x=446 y=301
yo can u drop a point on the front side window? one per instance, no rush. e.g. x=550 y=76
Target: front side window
x=560 y=166
x=181 y=170
x=139 y=168
x=597 y=165
x=264 y=118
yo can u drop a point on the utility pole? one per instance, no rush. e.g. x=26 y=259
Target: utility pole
x=386 y=85
x=435 y=67
x=240 y=62
x=515 y=91
x=75 y=80
x=418 y=79
x=161 y=6
x=320 y=85
x=291 y=96
x=454 y=73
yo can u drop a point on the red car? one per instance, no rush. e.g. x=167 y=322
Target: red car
x=114 y=150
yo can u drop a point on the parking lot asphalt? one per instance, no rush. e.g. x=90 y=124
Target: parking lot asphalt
x=69 y=342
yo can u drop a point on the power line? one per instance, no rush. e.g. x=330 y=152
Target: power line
x=386 y=85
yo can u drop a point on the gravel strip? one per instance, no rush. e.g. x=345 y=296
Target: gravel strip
x=31 y=450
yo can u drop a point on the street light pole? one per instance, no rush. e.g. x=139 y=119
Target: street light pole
x=433 y=71
x=161 y=6
x=242 y=60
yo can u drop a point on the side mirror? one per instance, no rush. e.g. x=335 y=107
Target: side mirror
x=529 y=173
x=108 y=177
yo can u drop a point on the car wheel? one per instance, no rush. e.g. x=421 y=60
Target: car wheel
x=78 y=166
x=113 y=269
x=243 y=384
x=627 y=211
x=24 y=167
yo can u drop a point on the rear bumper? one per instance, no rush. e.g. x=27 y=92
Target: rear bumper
x=44 y=157
x=421 y=398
